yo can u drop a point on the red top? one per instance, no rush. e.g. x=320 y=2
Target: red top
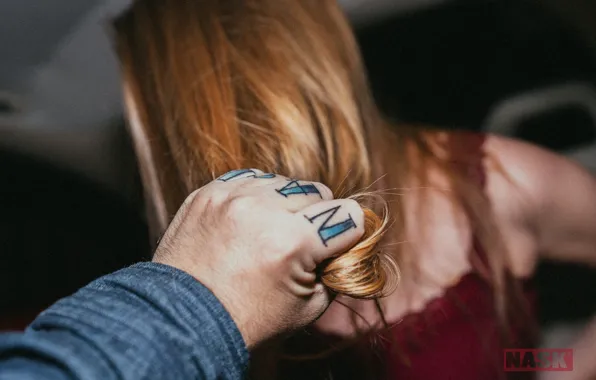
x=456 y=337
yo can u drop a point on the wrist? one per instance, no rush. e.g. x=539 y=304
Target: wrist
x=247 y=329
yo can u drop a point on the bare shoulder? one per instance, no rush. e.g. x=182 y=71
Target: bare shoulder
x=512 y=182
x=518 y=173
x=525 y=162
x=546 y=197
x=527 y=173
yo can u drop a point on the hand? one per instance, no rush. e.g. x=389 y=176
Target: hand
x=255 y=240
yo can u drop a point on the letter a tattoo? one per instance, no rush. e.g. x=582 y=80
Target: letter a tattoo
x=295 y=188
x=328 y=232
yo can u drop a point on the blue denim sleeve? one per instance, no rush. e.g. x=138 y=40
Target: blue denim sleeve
x=148 y=321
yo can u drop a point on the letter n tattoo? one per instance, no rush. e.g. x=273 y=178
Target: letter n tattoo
x=328 y=232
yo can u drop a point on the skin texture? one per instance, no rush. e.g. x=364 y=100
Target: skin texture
x=256 y=249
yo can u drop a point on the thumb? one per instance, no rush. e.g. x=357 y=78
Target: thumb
x=317 y=304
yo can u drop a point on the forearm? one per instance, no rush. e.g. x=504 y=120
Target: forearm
x=148 y=321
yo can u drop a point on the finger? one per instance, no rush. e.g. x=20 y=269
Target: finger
x=319 y=301
x=303 y=276
x=296 y=189
x=289 y=194
x=238 y=174
x=225 y=184
x=244 y=178
x=335 y=226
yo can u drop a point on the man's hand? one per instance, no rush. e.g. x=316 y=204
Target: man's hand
x=256 y=239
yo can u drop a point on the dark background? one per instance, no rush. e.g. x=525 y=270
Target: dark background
x=446 y=66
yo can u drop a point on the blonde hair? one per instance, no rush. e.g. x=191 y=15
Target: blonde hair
x=278 y=85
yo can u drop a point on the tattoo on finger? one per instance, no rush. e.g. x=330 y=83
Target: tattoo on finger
x=329 y=231
x=234 y=174
x=294 y=187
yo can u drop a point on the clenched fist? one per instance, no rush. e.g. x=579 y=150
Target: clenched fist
x=256 y=239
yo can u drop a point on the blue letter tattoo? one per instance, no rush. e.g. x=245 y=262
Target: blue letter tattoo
x=237 y=173
x=295 y=188
x=265 y=175
x=327 y=232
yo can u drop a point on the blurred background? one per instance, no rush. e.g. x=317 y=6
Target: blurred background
x=70 y=200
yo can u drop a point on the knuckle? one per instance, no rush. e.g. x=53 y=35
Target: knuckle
x=218 y=196
x=198 y=201
x=289 y=241
x=208 y=198
x=241 y=204
x=302 y=237
x=325 y=191
x=193 y=195
x=285 y=243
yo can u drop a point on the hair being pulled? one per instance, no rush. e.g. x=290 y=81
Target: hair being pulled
x=365 y=271
x=279 y=85
x=217 y=85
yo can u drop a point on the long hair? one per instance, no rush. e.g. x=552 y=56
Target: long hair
x=278 y=85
